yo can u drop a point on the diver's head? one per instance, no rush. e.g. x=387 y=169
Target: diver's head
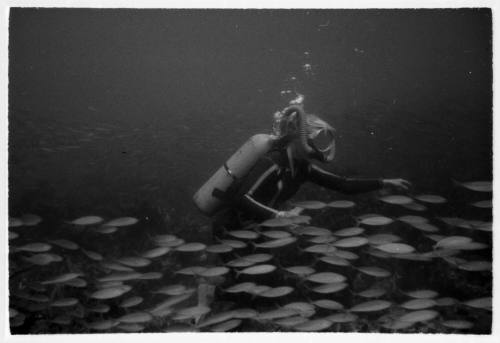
x=309 y=135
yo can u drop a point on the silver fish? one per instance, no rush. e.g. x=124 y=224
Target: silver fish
x=62 y=278
x=132 y=301
x=314 y=325
x=350 y=231
x=277 y=243
x=451 y=241
x=276 y=292
x=134 y=261
x=277 y=222
x=102 y=325
x=396 y=248
x=371 y=306
x=219 y=248
x=431 y=198
x=326 y=277
x=135 y=317
x=376 y=220
x=191 y=312
x=191 y=247
x=482 y=303
x=350 y=242
x=214 y=272
x=328 y=304
x=276 y=234
x=374 y=271
x=422 y=294
x=341 y=204
x=397 y=199
x=483 y=204
x=457 y=324
x=419 y=316
x=477 y=186
x=216 y=319
x=409 y=219
x=42 y=259
x=65 y=302
x=303 y=309
x=34 y=247
x=258 y=269
x=290 y=322
x=342 y=318
x=418 y=304
x=233 y=243
x=241 y=287
x=64 y=243
x=155 y=252
x=329 y=288
x=30 y=219
x=243 y=234
x=372 y=293
x=111 y=292
x=87 y=220
x=123 y=221
x=310 y=205
x=300 y=270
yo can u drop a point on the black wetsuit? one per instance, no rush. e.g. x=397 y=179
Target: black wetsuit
x=271 y=182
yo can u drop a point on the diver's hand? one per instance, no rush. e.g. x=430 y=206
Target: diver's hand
x=287 y=214
x=397 y=183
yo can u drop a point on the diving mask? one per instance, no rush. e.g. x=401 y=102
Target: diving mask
x=321 y=138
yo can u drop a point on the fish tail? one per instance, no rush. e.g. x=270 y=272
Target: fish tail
x=357 y=220
x=279 y=265
x=316 y=259
x=224 y=230
x=218 y=239
x=237 y=255
x=308 y=299
x=304 y=284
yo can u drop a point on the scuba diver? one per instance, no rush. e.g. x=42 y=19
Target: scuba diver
x=268 y=170
x=257 y=180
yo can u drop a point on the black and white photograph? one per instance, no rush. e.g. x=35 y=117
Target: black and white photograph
x=250 y=170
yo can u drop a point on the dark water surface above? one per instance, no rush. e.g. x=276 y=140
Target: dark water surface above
x=135 y=98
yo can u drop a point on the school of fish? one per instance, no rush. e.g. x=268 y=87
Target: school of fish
x=330 y=269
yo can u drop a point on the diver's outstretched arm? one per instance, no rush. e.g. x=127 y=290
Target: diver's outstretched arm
x=343 y=184
x=352 y=185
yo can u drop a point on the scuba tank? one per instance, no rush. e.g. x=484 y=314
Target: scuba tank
x=211 y=197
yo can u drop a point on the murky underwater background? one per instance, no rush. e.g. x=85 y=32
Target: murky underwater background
x=116 y=117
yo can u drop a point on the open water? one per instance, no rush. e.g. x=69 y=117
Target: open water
x=125 y=113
